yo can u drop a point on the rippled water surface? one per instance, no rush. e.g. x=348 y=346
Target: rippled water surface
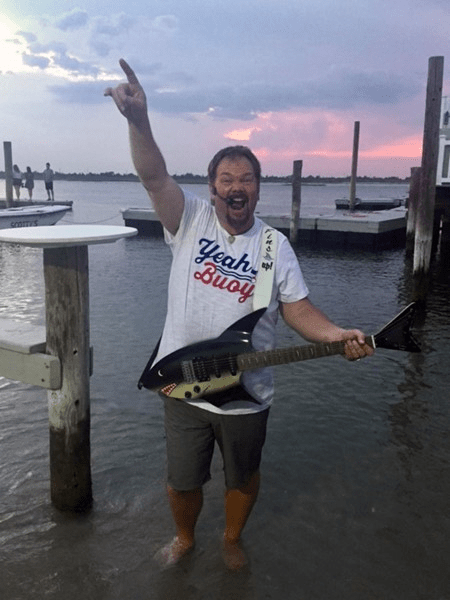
x=356 y=469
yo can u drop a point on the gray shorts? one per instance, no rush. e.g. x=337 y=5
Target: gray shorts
x=191 y=433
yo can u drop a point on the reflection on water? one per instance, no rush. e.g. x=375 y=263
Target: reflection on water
x=21 y=283
x=354 y=499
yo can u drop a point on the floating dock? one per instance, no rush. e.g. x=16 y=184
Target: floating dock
x=20 y=203
x=373 y=231
x=372 y=204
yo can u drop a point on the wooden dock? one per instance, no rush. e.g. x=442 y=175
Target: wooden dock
x=373 y=231
x=16 y=203
x=23 y=355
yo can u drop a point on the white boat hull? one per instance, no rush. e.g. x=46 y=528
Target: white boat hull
x=31 y=216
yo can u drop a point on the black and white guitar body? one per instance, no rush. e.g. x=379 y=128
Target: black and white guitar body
x=207 y=368
x=203 y=368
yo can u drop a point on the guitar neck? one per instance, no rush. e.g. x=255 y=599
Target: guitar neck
x=283 y=356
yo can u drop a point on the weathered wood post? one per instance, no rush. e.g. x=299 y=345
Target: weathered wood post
x=66 y=277
x=67 y=317
x=425 y=213
x=413 y=203
x=354 y=166
x=296 y=200
x=7 y=150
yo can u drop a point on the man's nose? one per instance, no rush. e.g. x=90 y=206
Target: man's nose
x=236 y=187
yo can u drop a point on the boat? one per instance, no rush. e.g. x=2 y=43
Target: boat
x=372 y=204
x=31 y=216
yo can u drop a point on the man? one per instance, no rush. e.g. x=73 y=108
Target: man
x=216 y=248
x=48 y=179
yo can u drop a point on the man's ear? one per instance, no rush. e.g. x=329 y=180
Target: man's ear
x=213 y=192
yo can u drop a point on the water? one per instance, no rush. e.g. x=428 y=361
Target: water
x=354 y=499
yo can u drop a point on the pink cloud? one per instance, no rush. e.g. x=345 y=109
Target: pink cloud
x=241 y=135
x=407 y=148
x=324 y=140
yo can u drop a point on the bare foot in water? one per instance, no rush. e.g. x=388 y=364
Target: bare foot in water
x=234 y=555
x=173 y=552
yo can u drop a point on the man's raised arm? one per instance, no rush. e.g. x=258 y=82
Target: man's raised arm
x=165 y=193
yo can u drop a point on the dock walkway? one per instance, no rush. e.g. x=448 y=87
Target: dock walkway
x=371 y=230
x=23 y=355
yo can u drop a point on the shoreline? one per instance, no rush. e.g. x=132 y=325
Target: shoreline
x=189 y=178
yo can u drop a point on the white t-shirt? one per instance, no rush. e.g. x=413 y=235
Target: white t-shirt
x=210 y=287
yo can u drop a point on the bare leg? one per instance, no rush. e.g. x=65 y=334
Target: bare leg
x=238 y=506
x=186 y=508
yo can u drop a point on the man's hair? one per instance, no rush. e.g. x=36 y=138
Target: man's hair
x=233 y=153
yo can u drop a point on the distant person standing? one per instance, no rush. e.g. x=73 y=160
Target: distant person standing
x=48 y=179
x=29 y=181
x=17 y=180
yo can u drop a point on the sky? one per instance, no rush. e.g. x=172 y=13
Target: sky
x=288 y=78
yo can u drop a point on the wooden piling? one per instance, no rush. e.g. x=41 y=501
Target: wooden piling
x=413 y=202
x=296 y=200
x=427 y=190
x=67 y=321
x=352 y=197
x=7 y=151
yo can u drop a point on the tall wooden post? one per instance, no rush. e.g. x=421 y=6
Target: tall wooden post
x=354 y=166
x=7 y=150
x=413 y=203
x=296 y=200
x=66 y=277
x=427 y=190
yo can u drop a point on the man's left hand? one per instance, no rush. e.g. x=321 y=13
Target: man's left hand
x=356 y=346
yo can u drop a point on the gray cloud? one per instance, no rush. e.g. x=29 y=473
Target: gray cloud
x=341 y=90
x=58 y=57
x=84 y=92
x=75 y=66
x=147 y=70
x=106 y=31
x=27 y=36
x=100 y=48
x=75 y=19
x=35 y=61
x=57 y=47
x=165 y=23
x=180 y=78
x=338 y=89
x=114 y=25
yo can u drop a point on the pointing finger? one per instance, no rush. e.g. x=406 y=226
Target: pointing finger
x=128 y=72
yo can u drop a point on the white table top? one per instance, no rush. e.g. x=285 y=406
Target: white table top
x=56 y=236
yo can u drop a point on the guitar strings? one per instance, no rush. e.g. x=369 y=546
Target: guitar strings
x=273 y=357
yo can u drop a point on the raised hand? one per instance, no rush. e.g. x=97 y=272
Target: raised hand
x=129 y=97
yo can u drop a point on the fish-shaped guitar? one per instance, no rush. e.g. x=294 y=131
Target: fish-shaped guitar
x=212 y=366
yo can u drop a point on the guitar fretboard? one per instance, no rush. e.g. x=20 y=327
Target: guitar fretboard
x=282 y=356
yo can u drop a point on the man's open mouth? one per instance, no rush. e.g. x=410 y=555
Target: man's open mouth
x=237 y=202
